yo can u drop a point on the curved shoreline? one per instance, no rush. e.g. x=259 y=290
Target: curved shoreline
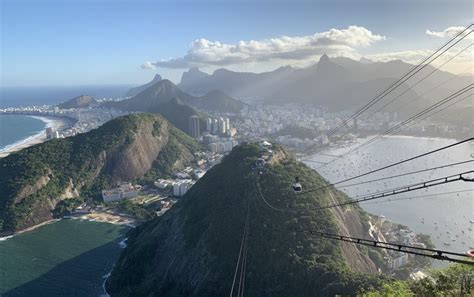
x=50 y=122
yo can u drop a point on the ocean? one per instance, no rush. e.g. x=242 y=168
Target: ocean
x=27 y=96
x=448 y=218
x=64 y=258
x=18 y=128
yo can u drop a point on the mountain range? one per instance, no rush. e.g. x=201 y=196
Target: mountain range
x=177 y=106
x=337 y=83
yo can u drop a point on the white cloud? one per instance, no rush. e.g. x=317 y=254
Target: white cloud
x=409 y=56
x=448 y=32
x=205 y=53
x=148 y=65
x=448 y=61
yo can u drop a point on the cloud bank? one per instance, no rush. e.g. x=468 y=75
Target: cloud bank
x=448 y=32
x=204 y=52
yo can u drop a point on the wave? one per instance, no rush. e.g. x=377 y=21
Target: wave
x=21 y=142
x=48 y=123
x=6 y=237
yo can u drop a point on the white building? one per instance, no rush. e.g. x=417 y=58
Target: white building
x=124 y=191
x=181 y=187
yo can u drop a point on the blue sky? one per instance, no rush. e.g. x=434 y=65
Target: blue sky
x=106 y=42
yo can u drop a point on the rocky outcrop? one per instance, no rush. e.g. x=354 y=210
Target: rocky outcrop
x=122 y=150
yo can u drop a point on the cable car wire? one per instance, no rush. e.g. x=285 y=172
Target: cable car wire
x=418 y=251
x=420 y=114
x=413 y=118
x=391 y=165
x=418 y=197
x=420 y=81
x=404 y=78
x=408 y=173
x=405 y=189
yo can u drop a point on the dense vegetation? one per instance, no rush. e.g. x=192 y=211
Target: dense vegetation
x=455 y=280
x=33 y=180
x=192 y=249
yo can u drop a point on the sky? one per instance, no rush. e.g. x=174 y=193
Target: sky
x=73 y=42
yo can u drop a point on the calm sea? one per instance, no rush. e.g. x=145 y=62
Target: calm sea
x=26 y=96
x=15 y=128
x=446 y=217
x=18 y=128
x=66 y=258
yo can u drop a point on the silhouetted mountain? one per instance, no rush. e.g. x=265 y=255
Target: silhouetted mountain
x=237 y=84
x=78 y=102
x=177 y=113
x=191 y=78
x=134 y=91
x=216 y=100
x=338 y=83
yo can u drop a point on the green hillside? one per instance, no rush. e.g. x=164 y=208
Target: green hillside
x=192 y=250
x=34 y=180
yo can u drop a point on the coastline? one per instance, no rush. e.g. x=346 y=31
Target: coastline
x=100 y=217
x=51 y=122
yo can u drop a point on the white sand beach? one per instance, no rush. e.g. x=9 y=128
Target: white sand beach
x=51 y=122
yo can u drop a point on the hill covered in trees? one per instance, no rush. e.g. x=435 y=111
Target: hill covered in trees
x=78 y=102
x=34 y=180
x=192 y=250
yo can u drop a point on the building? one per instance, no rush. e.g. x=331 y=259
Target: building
x=181 y=187
x=221 y=126
x=209 y=123
x=215 y=126
x=398 y=262
x=227 y=124
x=124 y=191
x=163 y=183
x=194 y=127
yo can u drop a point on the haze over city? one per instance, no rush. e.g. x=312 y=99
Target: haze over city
x=236 y=148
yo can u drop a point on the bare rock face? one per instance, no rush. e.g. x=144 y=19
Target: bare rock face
x=121 y=150
x=192 y=249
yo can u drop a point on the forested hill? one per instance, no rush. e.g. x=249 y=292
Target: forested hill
x=192 y=250
x=34 y=180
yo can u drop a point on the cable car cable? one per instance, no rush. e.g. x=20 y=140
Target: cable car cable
x=404 y=78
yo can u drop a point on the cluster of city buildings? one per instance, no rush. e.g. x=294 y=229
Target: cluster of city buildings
x=257 y=121
x=82 y=119
x=179 y=186
x=123 y=191
x=391 y=232
x=218 y=135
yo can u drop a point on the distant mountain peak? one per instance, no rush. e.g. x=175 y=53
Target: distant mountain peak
x=157 y=78
x=134 y=91
x=365 y=60
x=78 y=102
x=194 y=70
x=324 y=58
